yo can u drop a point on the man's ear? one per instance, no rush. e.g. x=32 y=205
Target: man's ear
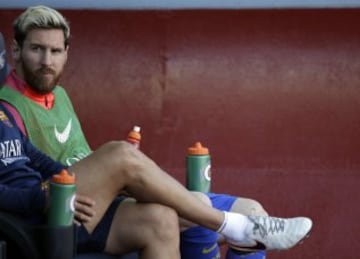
x=67 y=49
x=66 y=53
x=15 y=50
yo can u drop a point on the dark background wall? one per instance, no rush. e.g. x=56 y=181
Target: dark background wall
x=274 y=95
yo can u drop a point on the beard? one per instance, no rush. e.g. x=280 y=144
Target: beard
x=39 y=80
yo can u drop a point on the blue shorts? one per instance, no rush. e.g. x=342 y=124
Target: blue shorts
x=199 y=242
x=199 y=234
x=95 y=242
x=222 y=202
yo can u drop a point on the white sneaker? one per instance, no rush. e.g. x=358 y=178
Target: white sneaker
x=270 y=233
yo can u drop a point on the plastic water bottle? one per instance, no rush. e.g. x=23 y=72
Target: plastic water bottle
x=62 y=198
x=198 y=168
x=134 y=136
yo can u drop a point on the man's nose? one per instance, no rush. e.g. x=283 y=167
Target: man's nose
x=46 y=57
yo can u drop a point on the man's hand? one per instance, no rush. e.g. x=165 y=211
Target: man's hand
x=84 y=209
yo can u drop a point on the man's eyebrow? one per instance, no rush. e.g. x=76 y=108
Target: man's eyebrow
x=34 y=44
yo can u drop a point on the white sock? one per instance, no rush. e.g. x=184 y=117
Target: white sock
x=234 y=226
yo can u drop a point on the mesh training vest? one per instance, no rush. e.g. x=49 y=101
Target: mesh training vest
x=56 y=132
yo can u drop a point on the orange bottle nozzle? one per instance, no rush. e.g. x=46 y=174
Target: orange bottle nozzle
x=134 y=136
x=64 y=177
x=198 y=149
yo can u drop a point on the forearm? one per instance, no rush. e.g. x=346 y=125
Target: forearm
x=41 y=162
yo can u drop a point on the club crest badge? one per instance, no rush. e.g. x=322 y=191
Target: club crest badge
x=5 y=119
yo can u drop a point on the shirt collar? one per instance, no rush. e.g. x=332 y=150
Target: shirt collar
x=17 y=83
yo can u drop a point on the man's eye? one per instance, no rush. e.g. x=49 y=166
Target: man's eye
x=57 y=51
x=35 y=48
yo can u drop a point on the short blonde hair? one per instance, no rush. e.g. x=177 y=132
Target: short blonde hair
x=40 y=17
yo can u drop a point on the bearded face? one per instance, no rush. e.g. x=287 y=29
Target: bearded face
x=42 y=80
x=41 y=59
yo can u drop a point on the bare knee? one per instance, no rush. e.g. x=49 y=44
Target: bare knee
x=257 y=208
x=125 y=160
x=248 y=206
x=118 y=150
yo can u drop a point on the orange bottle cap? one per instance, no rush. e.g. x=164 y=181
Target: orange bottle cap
x=64 y=177
x=135 y=134
x=198 y=149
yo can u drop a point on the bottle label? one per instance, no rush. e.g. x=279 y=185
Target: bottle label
x=72 y=203
x=207 y=173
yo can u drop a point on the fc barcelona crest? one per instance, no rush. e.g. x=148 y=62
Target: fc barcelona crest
x=5 y=119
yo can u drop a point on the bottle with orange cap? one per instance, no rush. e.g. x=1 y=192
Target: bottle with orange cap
x=62 y=198
x=198 y=168
x=134 y=136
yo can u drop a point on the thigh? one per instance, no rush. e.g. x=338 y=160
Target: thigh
x=133 y=226
x=97 y=179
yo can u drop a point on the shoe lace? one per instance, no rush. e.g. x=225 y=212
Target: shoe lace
x=267 y=225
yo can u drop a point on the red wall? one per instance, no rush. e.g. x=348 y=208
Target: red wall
x=274 y=94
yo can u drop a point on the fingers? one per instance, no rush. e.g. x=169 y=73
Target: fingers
x=86 y=200
x=83 y=216
x=84 y=209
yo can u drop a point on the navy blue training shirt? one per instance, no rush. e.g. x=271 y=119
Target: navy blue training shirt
x=22 y=169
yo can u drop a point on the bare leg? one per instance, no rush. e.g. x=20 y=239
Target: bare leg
x=149 y=228
x=241 y=205
x=248 y=207
x=185 y=224
x=118 y=166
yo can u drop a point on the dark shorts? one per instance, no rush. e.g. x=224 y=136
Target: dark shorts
x=95 y=242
